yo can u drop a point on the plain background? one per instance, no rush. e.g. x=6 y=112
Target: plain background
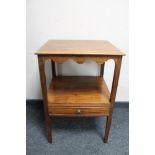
x=13 y=77
x=76 y=19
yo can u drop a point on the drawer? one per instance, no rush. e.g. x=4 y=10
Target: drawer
x=79 y=111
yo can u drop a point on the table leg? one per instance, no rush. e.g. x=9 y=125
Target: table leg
x=44 y=94
x=113 y=95
x=118 y=62
x=102 y=69
x=107 y=129
x=53 y=68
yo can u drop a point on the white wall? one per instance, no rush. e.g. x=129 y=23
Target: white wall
x=76 y=19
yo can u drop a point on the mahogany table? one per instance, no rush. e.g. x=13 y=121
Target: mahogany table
x=78 y=95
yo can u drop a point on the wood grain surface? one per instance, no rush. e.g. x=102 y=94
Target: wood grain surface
x=79 y=111
x=78 y=95
x=78 y=91
x=78 y=47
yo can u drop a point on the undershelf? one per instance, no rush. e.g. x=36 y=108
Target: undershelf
x=81 y=91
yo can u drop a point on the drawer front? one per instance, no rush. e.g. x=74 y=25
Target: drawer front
x=79 y=111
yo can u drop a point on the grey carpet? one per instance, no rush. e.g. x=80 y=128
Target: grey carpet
x=76 y=136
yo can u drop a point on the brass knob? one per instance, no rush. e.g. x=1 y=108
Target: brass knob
x=78 y=111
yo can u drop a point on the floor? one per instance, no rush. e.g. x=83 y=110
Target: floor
x=77 y=136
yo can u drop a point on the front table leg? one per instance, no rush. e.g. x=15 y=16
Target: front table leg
x=44 y=94
x=108 y=125
x=113 y=96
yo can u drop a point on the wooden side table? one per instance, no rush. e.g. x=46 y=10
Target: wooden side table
x=78 y=95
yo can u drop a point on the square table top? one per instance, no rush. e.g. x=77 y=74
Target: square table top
x=79 y=47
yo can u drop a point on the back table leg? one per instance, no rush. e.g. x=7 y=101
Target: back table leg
x=53 y=69
x=102 y=69
x=44 y=93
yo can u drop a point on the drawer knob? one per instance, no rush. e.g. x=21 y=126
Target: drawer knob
x=78 y=111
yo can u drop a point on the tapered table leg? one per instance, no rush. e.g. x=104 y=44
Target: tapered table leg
x=107 y=129
x=113 y=95
x=44 y=94
x=49 y=130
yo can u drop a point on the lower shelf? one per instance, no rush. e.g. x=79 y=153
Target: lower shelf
x=78 y=96
x=78 y=91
